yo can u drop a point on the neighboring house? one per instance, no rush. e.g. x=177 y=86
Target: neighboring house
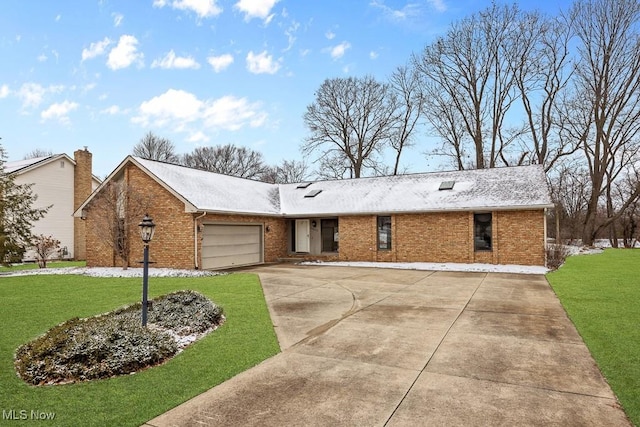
x=62 y=183
x=211 y=221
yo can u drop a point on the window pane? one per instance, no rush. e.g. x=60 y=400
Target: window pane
x=482 y=231
x=384 y=232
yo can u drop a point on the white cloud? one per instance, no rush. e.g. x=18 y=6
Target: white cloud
x=221 y=62
x=4 y=91
x=198 y=137
x=42 y=57
x=31 y=94
x=231 y=113
x=112 y=110
x=438 y=5
x=202 y=8
x=125 y=53
x=170 y=60
x=256 y=9
x=373 y=54
x=171 y=106
x=184 y=112
x=96 y=49
x=262 y=63
x=291 y=34
x=117 y=19
x=338 y=51
x=59 y=111
x=330 y=35
x=58 y=18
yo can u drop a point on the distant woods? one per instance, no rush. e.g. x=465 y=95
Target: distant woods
x=226 y=159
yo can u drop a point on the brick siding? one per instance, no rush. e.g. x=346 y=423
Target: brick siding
x=173 y=244
x=82 y=180
x=446 y=237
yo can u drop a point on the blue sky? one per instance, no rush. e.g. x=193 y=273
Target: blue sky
x=103 y=73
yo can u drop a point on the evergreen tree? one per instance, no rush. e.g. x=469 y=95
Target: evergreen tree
x=16 y=215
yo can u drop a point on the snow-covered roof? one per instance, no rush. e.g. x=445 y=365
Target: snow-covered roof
x=208 y=191
x=481 y=189
x=522 y=187
x=11 y=167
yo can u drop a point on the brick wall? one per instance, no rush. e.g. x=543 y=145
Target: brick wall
x=82 y=180
x=173 y=244
x=518 y=238
x=521 y=237
x=358 y=240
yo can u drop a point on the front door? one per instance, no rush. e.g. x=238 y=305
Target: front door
x=302 y=235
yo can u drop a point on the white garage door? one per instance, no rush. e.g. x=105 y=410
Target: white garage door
x=231 y=245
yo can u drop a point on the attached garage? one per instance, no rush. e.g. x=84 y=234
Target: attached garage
x=231 y=245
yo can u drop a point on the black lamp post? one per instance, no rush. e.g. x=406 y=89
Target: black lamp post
x=147 y=228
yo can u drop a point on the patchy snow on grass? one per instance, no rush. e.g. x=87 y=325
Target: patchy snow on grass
x=436 y=266
x=115 y=272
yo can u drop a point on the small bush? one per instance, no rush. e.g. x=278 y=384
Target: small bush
x=556 y=255
x=115 y=343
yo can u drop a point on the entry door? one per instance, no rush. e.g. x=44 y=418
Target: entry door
x=302 y=235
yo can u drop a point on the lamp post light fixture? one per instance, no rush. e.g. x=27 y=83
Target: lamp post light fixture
x=147 y=228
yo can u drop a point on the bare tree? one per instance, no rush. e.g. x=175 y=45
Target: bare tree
x=227 y=159
x=293 y=171
x=38 y=152
x=405 y=86
x=117 y=209
x=351 y=121
x=153 y=147
x=627 y=226
x=540 y=62
x=604 y=113
x=467 y=75
x=569 y=183
x=45 y=247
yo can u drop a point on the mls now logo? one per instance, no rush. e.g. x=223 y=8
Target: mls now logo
x=23 y=414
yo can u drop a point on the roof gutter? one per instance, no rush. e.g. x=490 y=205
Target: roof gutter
x=426 y=211
x=195 y=239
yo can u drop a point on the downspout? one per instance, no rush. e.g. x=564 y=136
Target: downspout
x=195 y=238
x=545 y=236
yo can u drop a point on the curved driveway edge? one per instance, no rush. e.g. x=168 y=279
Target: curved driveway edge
x=376 y=347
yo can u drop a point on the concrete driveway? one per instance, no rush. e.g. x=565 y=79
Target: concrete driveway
x=374 y=347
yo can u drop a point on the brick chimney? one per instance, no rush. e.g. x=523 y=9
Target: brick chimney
x=82 y=188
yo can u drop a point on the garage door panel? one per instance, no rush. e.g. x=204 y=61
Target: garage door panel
x=228 y=245
x=225 y=250
x=231 y=261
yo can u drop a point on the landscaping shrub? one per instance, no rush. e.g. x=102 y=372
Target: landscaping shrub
x=556 y=255
x=115 y=343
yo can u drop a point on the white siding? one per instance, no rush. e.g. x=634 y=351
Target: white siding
x=53 y=184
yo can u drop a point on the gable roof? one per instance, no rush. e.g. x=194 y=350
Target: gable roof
x=21 y=166
x=522 y=187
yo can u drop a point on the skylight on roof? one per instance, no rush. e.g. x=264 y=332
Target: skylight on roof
x=313 y=193
x=304 y=184
x=446 y=185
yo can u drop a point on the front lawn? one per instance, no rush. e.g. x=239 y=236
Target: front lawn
x=34 y=265
x=601 y=294
x=33 y=304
